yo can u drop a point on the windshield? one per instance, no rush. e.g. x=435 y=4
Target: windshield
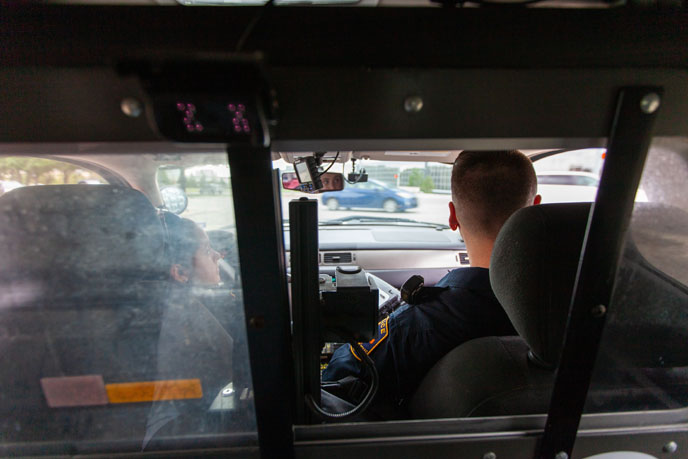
x=418 y=193
x=395 y=193
x=403 y=196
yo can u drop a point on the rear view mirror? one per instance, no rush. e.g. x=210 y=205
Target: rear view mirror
x=331 y=181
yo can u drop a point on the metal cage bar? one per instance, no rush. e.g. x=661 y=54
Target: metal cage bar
x=629 y=140
x=263 y=274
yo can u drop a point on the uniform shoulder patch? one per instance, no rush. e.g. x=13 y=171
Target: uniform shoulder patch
x=380 y=336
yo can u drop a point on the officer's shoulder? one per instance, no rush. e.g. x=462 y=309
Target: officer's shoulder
x=413 y=315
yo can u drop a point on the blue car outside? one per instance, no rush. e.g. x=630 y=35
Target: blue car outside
x=371 y=194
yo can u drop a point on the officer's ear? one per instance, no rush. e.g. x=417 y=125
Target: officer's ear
x=453 y=221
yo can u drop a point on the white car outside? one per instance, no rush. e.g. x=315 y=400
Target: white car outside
x=572 y=186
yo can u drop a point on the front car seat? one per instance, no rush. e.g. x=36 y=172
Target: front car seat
x=532 y=271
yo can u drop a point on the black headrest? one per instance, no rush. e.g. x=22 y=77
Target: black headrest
x=533 y=269
x=70 y=235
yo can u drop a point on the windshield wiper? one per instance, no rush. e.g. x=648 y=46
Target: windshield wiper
x=358 y=219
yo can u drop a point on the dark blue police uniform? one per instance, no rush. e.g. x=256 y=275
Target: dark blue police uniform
x=414 y=337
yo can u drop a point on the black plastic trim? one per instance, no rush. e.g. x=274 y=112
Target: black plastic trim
x=303 y=223
x=629 y=140
x=263 y=273
x=459 y=38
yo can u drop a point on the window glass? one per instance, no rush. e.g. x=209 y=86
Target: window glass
x=121 y=323
x=18 y=171
x=643 y=356
x=570 y=176
x=417 y=191
x=361 y=186
x=206 y=187
x=587 y=181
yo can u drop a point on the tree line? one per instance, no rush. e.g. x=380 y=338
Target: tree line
x=35 y=171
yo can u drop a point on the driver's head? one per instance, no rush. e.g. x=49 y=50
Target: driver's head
x=326 y=182
x=489 y=186
x=190 y=257
x=331 y=182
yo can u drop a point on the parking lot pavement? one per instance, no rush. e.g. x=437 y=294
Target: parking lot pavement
x=218 y=211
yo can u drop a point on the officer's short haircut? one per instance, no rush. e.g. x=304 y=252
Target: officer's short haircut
x=488 y=186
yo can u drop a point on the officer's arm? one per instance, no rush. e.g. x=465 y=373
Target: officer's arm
x=341 y=365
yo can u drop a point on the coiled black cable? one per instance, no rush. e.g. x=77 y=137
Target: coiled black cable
x=372 y=390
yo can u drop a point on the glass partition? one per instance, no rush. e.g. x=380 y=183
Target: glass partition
x=121 y=323
x=643 y=357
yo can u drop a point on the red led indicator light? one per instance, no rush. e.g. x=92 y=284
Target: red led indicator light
x=181 y=107
x=241 y=107
x=231 y=107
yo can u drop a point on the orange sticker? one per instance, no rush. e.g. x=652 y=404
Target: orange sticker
x=151 y=391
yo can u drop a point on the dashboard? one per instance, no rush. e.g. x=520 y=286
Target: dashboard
x=392 y=253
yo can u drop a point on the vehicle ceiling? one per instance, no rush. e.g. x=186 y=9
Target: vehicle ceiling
x=570 y=4
x=554 y=87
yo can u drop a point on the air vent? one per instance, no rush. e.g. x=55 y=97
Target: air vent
x=463 y=258
x=336 y=258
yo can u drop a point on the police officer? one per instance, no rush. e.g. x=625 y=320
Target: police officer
x=487 y=187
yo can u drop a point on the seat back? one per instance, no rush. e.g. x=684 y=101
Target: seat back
x=81 y=297
x=532 y=271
